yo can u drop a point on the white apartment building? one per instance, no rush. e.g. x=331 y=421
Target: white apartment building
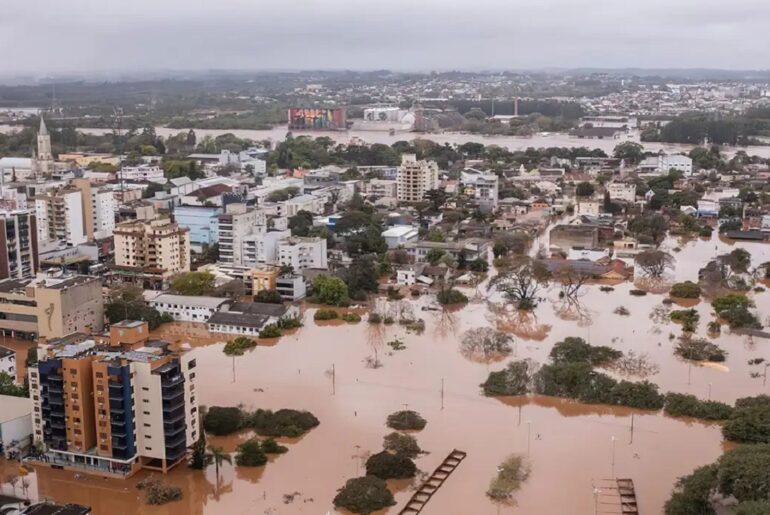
x=235 y=224
x=187 y=308
x=663 y=163
x=482 y=187
x=311 y=203
x=301 y=253
x=60 y=217
x=262 y=247
x=623 y=191
x=142 y=173
x=415 y=178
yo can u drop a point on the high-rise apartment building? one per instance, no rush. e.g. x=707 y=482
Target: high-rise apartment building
x=18 y=245
x=154 y=250
x=75 y=214
x=415 y=178
x=60 y=217
x=113 y=408
x=235 y=224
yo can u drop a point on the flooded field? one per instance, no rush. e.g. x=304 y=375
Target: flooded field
x=570 y=445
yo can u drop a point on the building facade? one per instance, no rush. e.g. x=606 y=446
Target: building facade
x=61 y=217
x=141 y=173
x=112 y=409
x=415 y=178
x=154 y=250
x=302 y=253
x=18 y=245
x=203 y=223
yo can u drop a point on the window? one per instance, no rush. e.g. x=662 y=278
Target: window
x=146 y=412
x=191 y=364
x=100 y=374
x=145 y=389
x=145 y=400
x=147 y=448
x=146 y=425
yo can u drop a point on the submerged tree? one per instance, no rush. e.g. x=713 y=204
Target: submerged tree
x=485 y=344
x=522 y=282
x=654 y=263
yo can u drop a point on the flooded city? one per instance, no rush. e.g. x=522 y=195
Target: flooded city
x=572 y=447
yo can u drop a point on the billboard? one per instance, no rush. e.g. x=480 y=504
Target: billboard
x=317 y=119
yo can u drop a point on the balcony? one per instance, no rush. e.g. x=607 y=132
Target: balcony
x=173 y=381
x=118 y=444
x=174 y=430
x=172 y=395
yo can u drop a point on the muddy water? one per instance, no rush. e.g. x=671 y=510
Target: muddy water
x=570 y=445
x=513 y=143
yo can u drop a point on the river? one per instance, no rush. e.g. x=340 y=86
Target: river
x=277 y=134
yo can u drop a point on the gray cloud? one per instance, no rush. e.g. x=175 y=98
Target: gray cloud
x=50 y=36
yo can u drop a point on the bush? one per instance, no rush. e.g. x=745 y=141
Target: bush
x=699 y=349
x=451 y=296
x=238 y=346
x=606 y=289
x=406 y=420
x=573 y=349
x=250 y=454
x=734 y=308
x=511 y=473
x=374 y=318
x=743 y=473
x=514 y=379
x=637 y=293
x=364 y=495
x=385 y=465
x=270 y=331
x=268 y=296
x=284 y=422
x=389 y=320
x=705 y=231
x=687 y=317
x=685 y=290
x=352 y=318
x=157 y=492
x=270 y=446
x=289 y=322
x=478 y=265
x=402 y=444
x=750 y=421
x=682 y=405
x=326 y=314
x=692 y=494
x=753 y=508
x=222 y=421
x=579 y=381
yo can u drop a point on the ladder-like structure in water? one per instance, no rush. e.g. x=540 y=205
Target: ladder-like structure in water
x=616 y=496
x=433 y=483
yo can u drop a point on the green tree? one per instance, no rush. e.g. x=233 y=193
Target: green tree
x=331 y=291
x=250 y=454
x=268 y=296
x=385 y=465
x=434 y=256
x=301 y=223
x=631 y=151
x=193 y=283
x=364 y=495
x=584 y=189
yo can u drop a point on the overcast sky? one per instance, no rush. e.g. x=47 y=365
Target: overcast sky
x=55 y=36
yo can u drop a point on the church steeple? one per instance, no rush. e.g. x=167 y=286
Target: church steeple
x=44 y=154
x=43 y=129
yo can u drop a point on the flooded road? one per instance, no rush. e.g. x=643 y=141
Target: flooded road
x=569 y=444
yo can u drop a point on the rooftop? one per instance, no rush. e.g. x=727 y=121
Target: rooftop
x=190 y=300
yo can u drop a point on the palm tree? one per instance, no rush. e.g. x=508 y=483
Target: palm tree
x=217 y=455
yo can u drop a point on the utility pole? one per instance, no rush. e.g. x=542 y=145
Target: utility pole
x=613 y=457
x=529 y=434
x=442 y=393
x=632 y=428
x=334 y=380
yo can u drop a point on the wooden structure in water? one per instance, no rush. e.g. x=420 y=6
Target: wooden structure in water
x=616 y=496
x=423 y=494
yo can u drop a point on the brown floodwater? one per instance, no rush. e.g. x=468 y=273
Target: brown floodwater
x=570 y=445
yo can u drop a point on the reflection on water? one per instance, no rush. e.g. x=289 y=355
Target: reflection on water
x=569 y=443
